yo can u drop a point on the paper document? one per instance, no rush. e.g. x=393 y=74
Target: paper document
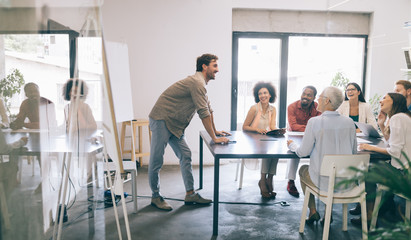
x=361 y=140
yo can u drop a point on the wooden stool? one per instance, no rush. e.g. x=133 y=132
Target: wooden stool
x=140 y=123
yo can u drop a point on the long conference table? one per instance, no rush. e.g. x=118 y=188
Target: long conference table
x=253 y=145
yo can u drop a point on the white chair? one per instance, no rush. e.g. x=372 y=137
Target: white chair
x=334 y=166
x=380 y=191
x=129 y=167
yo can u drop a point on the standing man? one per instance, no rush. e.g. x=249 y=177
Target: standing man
x=404 y=87
x=169 y=118
x=299 y=113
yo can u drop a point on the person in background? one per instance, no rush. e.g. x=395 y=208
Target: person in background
x=9 y=169
x=77 y=113
x=4 y=119
x=404 y=87
x=169 y=118
x=330 y=133
x=6 y=148
x=261 y=118
x=299 y=112
x=356 y=107
x=393 y=106
x=39 y=110
x=79 y=121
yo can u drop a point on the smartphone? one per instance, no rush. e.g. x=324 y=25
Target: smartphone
x=232 y=141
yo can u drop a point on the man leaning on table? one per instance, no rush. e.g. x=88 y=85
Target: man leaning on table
x=299 y=112
x=169 y=118
x=329 y=133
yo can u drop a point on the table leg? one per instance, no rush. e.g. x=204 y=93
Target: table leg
x=216 y=191
x=201 y=163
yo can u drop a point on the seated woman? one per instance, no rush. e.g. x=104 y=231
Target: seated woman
x=8 y=170
x=79 y=121
x=261 y=118
x=398 y=134
x=329 y=133
x=77 y=114
x=355 y=106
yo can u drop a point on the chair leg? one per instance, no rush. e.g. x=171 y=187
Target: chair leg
x=345 y=217
x=32 y=166
x=376 y=209
x=134 y=188
x=408 y=209
x=327 y=218
x=304 y=212
x=236 y=170
x=364 y=217
x=240 y=184
x=4 y=209
x=20 y=163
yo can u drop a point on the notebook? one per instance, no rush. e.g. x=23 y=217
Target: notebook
x=368 y=130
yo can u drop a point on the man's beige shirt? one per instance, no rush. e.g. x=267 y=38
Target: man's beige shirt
x=178 y=103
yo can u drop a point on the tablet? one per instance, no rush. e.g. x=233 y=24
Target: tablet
x=368 y=130
x=277 y=132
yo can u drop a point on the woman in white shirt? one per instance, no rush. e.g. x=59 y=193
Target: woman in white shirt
x=355 y=107
x=261 y=118
x=394 y=106
x=398 y=134
x=77 y=114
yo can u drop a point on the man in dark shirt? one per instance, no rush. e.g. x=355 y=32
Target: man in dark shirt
x=299 y=113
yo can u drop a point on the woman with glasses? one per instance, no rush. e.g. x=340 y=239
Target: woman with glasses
x=355 y=106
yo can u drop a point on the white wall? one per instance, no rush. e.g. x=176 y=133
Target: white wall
x=165 y=36
x=387 y=37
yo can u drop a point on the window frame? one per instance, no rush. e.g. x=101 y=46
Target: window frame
x=284 y=38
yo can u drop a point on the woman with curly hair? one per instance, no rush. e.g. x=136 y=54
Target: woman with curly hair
x=261 y=118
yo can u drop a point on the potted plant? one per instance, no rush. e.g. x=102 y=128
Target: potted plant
x=340 y=81
x=11 y=85
x=398 y=182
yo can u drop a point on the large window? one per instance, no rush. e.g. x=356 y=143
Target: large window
x=45 y=60
x=291 y=62
x=259 y=60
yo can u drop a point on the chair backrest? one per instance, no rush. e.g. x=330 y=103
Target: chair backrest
x=342 y=163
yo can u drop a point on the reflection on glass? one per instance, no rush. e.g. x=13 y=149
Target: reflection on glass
x=48 y=136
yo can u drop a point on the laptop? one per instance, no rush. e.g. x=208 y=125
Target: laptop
x=368 y=130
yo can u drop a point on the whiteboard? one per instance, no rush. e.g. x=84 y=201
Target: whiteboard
x=119 y=74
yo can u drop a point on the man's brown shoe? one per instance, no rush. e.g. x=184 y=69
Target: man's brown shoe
x=160 y=203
